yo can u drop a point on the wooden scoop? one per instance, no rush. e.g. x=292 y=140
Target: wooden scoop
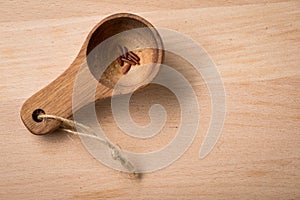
x=56 y=98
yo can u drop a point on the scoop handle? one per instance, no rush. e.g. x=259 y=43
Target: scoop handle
x=56 y=98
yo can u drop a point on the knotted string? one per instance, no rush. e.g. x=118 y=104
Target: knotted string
x=69 y=126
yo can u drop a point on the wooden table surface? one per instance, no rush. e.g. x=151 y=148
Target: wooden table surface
x=255 y=45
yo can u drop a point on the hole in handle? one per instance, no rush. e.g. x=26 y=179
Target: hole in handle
x=36 y=113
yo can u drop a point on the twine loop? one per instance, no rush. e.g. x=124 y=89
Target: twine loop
x=70 y=126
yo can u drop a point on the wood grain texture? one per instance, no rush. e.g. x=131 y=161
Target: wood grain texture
x=255 y=45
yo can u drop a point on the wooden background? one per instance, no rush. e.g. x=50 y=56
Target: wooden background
x=255 y=45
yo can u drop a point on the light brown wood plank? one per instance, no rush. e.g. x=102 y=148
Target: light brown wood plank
x=256 y=49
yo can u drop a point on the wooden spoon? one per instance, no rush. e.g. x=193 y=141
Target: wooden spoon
x=56 y=98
